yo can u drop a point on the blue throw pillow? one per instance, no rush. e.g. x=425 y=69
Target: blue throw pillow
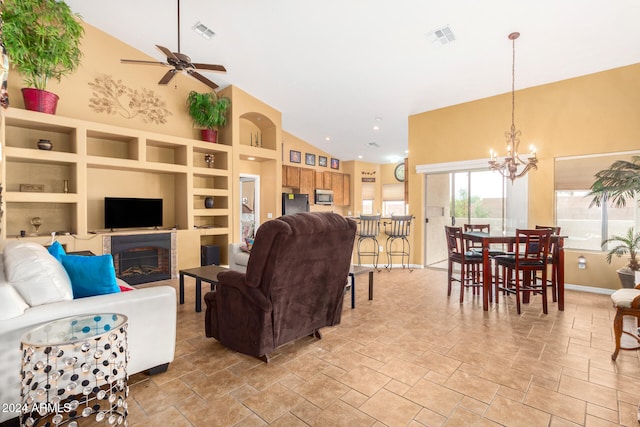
x=90 y=275
x=56 y=250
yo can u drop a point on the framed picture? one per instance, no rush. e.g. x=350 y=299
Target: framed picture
x=335 y=163
x=322 y=161
x=294 y=156
x=310 y=159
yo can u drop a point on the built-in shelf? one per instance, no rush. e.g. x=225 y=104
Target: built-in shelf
x=66 y=186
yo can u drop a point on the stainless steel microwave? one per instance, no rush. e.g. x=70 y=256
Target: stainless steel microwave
x=324 y=197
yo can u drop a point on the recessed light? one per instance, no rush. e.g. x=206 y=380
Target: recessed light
x=327 y=138
x=359 y=157
x=251 y=158
x=376 y=127
x=378 y=119
x=203 y=30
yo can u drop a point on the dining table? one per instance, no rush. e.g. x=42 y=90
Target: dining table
x=509 y=239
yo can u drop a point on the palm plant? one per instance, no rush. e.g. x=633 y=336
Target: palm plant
x=617 y=183
x=628 y=244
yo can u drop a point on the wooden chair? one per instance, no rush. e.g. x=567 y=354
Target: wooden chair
x=477 y=247
x=469 y=262
x=518 y=270
x=551 y=261
x=627 y=303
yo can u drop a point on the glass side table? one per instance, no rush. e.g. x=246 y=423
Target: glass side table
x=75 y=370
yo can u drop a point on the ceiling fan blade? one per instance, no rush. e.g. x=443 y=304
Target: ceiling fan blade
x=167 y=52
x=135 y=61
x=203 y=79
x=167 y=77
x=209 y=67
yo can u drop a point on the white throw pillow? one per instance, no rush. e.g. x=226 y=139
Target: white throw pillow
x=37 y=276
x=11 y=303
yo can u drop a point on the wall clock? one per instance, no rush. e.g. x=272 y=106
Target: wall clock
x=399 y=172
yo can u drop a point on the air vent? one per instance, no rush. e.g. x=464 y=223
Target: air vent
x=441 y=36
x=203 y=30
x=373 y=144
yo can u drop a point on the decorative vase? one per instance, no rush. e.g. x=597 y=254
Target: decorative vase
x=65 y=186
x=45 y=144
x=208 y=202
x=40 y=100
x=210 y=135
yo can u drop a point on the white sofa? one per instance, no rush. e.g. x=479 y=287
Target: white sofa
x=238 y=258
x=151 y=314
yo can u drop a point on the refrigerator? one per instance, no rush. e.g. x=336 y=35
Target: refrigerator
x=294 y=203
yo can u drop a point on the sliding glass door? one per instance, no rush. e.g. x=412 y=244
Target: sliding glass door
x=458 y=198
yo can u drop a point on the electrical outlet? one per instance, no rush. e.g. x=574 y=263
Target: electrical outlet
x=381 y=248
x=269 y=215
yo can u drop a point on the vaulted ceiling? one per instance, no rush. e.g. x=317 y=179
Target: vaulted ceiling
x=337 y=68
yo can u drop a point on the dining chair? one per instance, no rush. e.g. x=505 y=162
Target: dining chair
x=469 y=262
x=368 y=229
x=551 y=260
x=477 y=246
x=518 y=270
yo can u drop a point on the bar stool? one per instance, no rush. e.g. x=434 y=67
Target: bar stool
x=398 y=229
x=369 y=228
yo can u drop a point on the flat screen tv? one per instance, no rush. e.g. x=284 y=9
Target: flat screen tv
x=129 y=212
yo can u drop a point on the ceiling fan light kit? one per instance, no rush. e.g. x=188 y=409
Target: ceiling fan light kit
x=181 y=62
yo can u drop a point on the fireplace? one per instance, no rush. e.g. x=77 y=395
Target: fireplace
x=142 y=258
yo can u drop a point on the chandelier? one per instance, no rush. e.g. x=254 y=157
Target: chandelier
x=509 y=166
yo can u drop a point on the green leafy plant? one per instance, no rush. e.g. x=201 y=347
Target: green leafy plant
x=208 y=110
x=42 y=38
x=628 y=244
x=617 y=183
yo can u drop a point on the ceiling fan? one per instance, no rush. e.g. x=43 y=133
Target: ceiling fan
x=180 y=62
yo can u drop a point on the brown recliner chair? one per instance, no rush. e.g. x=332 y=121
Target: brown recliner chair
x=294 y=284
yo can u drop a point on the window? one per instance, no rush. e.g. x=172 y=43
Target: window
x=393 y=199
x=587 y=227
x=368 y=197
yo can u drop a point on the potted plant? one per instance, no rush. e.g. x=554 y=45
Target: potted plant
x=208 y=111
x=616 y=184
x=42 y=39
x=627 y=244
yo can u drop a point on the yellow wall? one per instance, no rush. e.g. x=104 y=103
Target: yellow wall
x=592 y=114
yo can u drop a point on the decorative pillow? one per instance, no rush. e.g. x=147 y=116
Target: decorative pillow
x=124 y=286
x=35 y=274
x=91 y=275
x=11 y=303
x=249 y=242
x=56 y=250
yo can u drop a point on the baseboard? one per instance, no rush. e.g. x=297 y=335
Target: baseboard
x=593 y=290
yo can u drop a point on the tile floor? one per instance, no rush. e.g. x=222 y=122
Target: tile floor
x=410 y=357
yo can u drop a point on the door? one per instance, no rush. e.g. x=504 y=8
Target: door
x=458 y=198
x=249 y=205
